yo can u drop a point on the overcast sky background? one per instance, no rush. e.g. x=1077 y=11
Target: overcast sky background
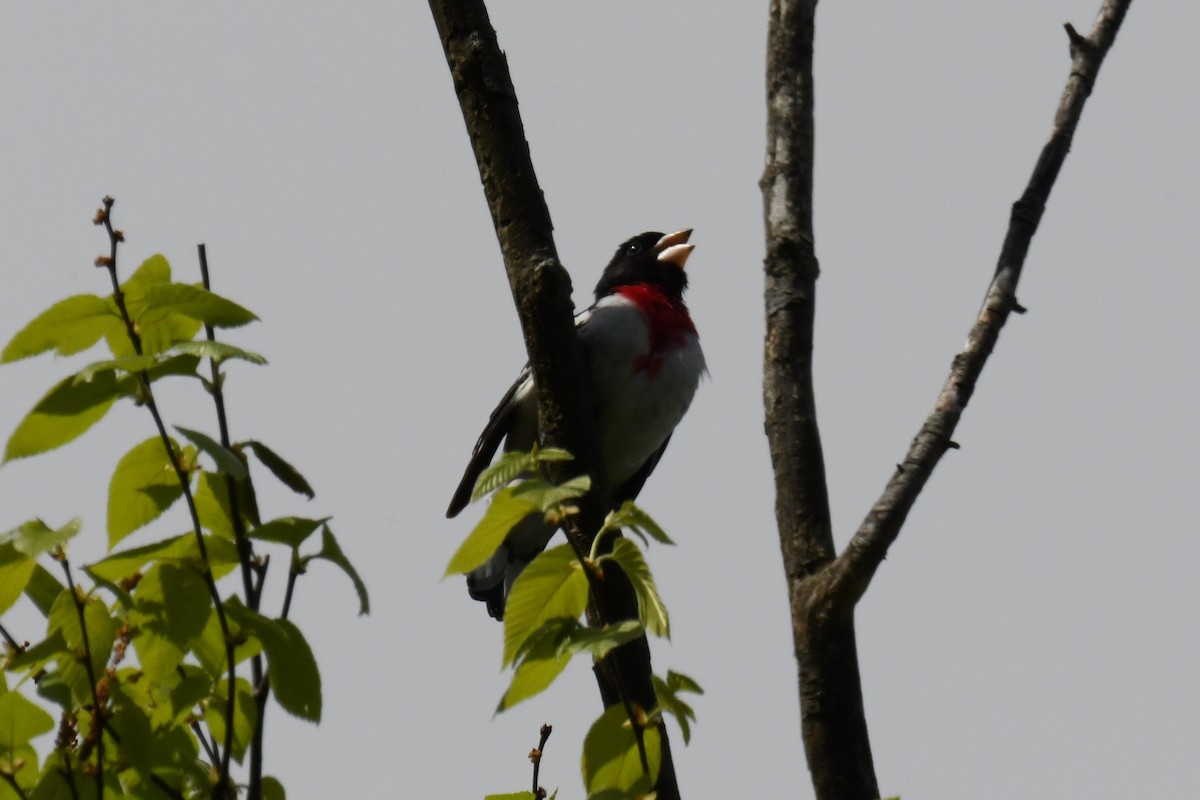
x=1034 y=632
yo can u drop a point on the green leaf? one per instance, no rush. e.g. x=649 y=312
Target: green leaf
x=272 y=789
x=635 y=519
x=575 y=487
x=209 y=647
x=21 y=720
x=503 y=472
x=291 y=531
x=156 y=335
x=143 y=486
x=330 y=551
x=101 y=631
x=128 y=364
x=650 y=606
x=178 y=549
x=290 y=663
x=16 y=568
x=171 y=608
x=42 y=588
x=194 y=303
x=212 y=505
x=130 y=725
x=541 y=454
x=21 y=764
x=668 y=692
x=62 y=415
x=553 y=585
x=69 y=326
x=281 y=469
x=511 y=796
x=218 y=351
x=245 y=715
x=193 y=688
x=33 y=538
x=611 y=761
x=600 y=641
x=34 y=657
x=504 y=512
x=541 y=662
x=227 y=461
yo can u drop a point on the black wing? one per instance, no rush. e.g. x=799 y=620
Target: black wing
x=629 y=489
x=498 y=427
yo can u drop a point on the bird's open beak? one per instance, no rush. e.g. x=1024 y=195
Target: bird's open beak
x=674 y=249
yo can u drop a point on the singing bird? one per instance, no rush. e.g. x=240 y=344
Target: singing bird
x=643 y=360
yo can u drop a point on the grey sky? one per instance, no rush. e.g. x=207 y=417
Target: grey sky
x=1034 y=631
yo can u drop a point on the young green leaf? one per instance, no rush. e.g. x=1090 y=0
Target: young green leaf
x=506 y=469
x=502 y=514
x=330 y=551
x=101 y=630
x=600 y=641
x=650 y=606
x=541 y=662
x=20 y=721
x=69 y=326
x=272 y=789
x=553 y=585
x=227 y=461
x=611 y=760
x=194 y=303
x=42 y=588
x=143 y=486
x=36 y=537
x=575 y=487
x=171 y=609
x=219 y=351
x=62 y=415
x=291 y=531
x=16 y=568
x=290 y=663
x=631 y=517
x=245 y=715
x=129 y=365
x=668 y=692
x=285 y=472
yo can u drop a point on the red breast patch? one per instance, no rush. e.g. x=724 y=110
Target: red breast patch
x=668 y=322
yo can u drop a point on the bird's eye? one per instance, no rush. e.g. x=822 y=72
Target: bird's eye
x=633 y=249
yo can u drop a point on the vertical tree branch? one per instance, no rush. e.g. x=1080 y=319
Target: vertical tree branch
x=833 y=722
x=857 y=564
x=542 y=292
x=823 y=591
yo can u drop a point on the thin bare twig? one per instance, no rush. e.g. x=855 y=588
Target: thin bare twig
x=857 y=564
x=536 y=758
x=97 y=710
x=104 y=217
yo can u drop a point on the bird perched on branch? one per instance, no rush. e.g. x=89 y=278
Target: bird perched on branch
x=643 y=360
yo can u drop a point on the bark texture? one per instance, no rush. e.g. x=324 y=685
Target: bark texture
x=541 y=291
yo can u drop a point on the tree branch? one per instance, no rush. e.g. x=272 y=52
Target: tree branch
x=542 y=293
x=823 y=591
x=857 y=564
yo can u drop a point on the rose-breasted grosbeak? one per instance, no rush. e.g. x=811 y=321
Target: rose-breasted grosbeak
x=643 y=358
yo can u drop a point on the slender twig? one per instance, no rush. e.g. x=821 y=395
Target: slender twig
x=166 y=788
x=17 y=648
x=104 y=217
x=536 y=757
x=97 y=711
x=11 y=780
x=857 y=564
x=245 y=548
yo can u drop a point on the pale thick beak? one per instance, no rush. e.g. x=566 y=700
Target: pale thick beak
x=674 y=249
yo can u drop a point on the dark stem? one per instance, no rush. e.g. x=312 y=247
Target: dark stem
x=17 y=648
x=97 y=711
x=541 y=290
x=11 y=780
x=536 y=757
x=244 y=547
x=115 y=237
x=166 y=788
